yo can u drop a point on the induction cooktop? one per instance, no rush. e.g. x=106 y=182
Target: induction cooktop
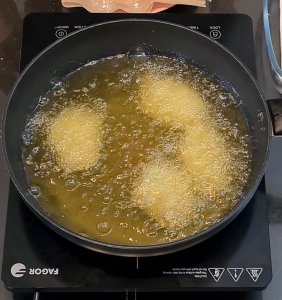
x=235 y=259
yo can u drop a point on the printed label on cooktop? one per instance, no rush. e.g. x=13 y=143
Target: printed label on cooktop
x=254 y=273
x=235 y=273
x=18 y=270
x=195 y=272
x=216 y=273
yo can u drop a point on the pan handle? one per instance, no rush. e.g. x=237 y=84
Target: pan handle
x=275 y=69
x=275 y=109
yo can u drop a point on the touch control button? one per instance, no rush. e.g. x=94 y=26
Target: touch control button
x=61 y=33
x=215 y=34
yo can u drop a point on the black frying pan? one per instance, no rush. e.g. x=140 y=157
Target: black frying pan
x=116 y=37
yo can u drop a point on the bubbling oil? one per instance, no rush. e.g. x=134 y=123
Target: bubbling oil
x=140 y=180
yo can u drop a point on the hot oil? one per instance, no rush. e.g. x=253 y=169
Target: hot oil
x=99 y=201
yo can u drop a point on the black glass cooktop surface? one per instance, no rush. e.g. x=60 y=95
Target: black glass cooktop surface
x=236 y=259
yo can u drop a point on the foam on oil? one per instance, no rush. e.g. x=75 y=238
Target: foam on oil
x=137 y=152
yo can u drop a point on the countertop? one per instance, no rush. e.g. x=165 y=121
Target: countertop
x=12 y=13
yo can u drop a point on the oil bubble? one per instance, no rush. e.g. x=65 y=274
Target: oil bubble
x=104 y=228
x=139 y=54
x=124 y=224
x=105 y=210
x=260 y=116
x=71 y=184
x=152 y=234
x=56 y=169
x=35 y=190
x=173 y=234
x=57 y=84
x=121 y=204
x=27 y=136
x=107 y=200
x=83 y=234
x=84 y=208
x=29 y=160
x=262 y=129
x=43 y=101
x=35 y=150
x=85 y=90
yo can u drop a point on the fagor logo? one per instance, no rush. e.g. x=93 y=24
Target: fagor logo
x=18 y=270
x=44 y=271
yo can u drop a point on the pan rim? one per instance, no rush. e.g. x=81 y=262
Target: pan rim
x=138 y=250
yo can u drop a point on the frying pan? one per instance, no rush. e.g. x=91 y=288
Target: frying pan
x=112 y=38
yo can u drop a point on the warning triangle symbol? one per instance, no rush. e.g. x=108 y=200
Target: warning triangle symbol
x=254 y=273
x=216 y=273
x=235 y=273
